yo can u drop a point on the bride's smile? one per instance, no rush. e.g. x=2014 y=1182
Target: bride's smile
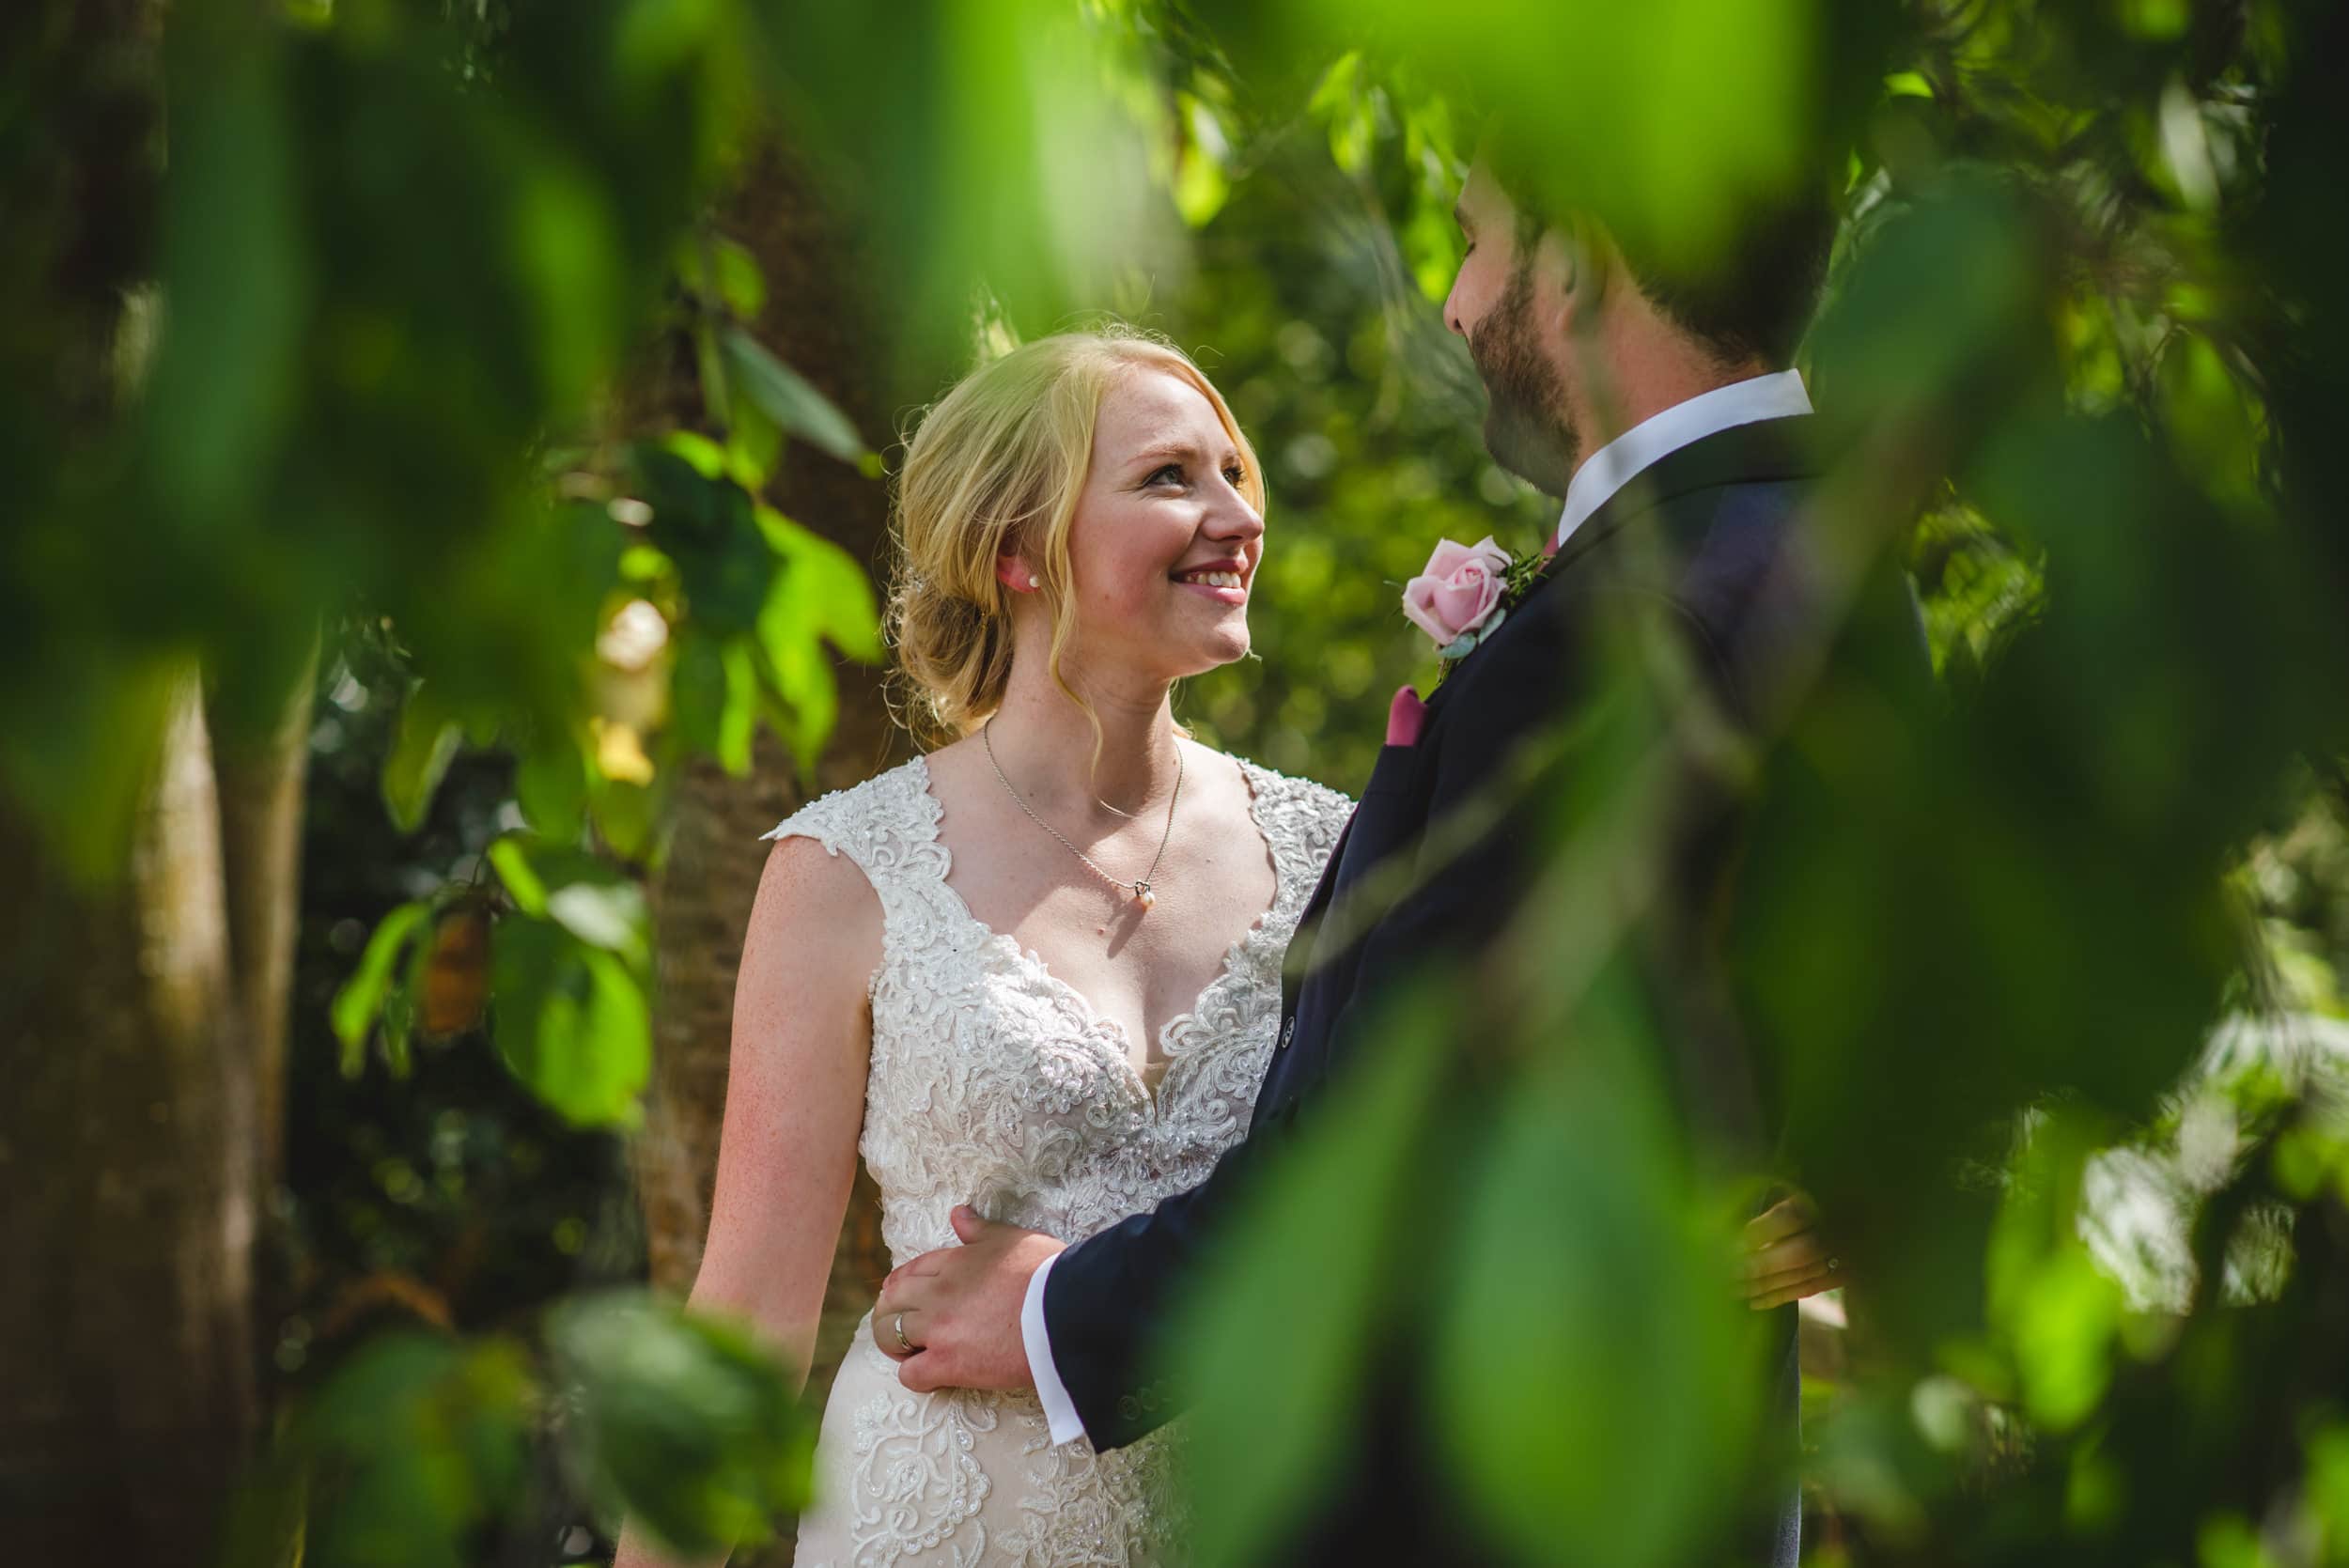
x=1166 y=537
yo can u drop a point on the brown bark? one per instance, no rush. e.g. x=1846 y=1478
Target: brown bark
x=127 y=1154
x=702 y=895
x=260 y=777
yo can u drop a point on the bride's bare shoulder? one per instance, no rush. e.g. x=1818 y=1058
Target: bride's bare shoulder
x=806 y=877
x=816 y=921
x=816 y=905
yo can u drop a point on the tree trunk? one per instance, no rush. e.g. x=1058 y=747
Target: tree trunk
x=261 y=771
x=260 y=791
x=128 y=1155
x=702 y=895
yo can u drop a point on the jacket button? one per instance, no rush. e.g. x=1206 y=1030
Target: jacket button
x=1129 y=1407
x=1288 y=1031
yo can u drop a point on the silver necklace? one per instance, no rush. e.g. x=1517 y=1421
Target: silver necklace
x=1143 y=890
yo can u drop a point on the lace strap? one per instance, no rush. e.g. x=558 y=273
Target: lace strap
x=1301 y=821
x=888 y=825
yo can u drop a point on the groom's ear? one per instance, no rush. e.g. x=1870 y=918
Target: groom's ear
x=1581 y=260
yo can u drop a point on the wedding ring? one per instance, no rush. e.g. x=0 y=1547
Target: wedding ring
x=1834 y=1265
x=908 y=1344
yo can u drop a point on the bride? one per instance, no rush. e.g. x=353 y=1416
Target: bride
x=1038 y=967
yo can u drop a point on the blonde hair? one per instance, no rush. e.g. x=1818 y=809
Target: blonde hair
x=997 y=468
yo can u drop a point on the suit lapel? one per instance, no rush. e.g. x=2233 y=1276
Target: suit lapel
x=1298 y=961
x=1764 y=452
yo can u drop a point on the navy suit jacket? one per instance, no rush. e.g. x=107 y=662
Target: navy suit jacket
x=1708 y=536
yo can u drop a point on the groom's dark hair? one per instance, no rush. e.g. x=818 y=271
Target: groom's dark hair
x=1753 y=301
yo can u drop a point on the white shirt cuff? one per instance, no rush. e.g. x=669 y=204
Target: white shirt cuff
x=1059 y=1409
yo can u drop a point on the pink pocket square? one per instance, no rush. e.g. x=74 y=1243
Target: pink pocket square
x=1404 y=718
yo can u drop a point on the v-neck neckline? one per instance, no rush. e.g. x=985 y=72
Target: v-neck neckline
x=1098 y=1024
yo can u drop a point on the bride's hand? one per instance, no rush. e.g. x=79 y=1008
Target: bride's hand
x=1786 y=1258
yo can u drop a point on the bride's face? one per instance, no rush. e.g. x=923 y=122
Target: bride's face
x=1164 y=543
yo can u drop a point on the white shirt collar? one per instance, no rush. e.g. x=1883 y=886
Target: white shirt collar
x=1776 y=395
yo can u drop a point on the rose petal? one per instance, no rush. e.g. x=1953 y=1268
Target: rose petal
x=1458 y=601
x=1446 y=558
x=1418 y=595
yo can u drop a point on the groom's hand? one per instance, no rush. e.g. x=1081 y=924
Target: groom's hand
x=960 y=1308
x=1786 y=1256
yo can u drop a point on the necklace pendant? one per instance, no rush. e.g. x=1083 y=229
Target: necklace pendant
x=1144 y=896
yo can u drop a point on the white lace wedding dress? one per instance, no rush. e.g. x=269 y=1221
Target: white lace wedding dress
x=993 y=1083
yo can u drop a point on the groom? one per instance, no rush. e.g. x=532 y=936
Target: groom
x=1663 y=412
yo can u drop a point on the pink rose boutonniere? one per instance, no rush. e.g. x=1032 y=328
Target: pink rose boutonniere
x=1464 y=594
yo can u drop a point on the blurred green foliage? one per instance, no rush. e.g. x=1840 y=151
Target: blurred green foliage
x=2050 y=979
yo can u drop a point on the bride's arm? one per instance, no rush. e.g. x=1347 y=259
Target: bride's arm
x=795 y=1102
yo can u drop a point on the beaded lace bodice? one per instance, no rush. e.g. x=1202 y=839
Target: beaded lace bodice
x=994 y=1082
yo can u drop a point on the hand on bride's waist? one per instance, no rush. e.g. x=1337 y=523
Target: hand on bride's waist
x=950 y=1318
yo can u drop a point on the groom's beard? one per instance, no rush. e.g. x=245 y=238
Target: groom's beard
x=1525 y=426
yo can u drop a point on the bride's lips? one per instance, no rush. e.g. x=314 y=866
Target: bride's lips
x=1225 y=581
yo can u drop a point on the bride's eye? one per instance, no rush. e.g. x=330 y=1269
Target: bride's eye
x=1169 y=475
x=1237 y=474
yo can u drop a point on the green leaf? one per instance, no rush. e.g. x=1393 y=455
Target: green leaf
x=229 y=375
x=563 y=253
x=628 y=816
x=508 y=858
x=427 y=1440
x=804 y=702
x=822 y=590
x=572 y=1023
x=357 y=1004
x=642 y=564
x=422 y=748
x=551 y=786
x=611 y=916
x=1273 y=1410
x=1200 y=187
x=741 y=282
x=737 y=718
x=2212 y=420
x=697 y=691
x=1619 y=1431
x=753 y=444
x=703 y=524
x=707 y=458
x=395 y=1039
x=785 y=396
x=710 y=264
x=685 y=1424
x=2064 y=1324
x=585 y=895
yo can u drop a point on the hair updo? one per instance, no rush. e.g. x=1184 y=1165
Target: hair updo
x=996 y=468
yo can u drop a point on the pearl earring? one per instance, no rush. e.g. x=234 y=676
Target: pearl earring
x=1033 y=581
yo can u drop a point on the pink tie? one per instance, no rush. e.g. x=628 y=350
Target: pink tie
x=1404 y=716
